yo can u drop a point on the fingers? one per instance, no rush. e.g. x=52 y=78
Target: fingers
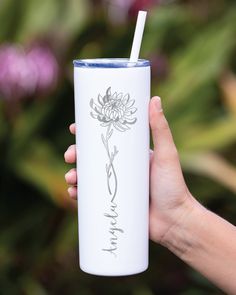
x=70 y=154
x=71 y=177
x=72 y=191
x=72 y=128
x=164 y=147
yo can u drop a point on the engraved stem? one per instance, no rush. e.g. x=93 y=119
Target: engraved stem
x=110 y=169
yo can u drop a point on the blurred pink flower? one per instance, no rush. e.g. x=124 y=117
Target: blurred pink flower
x=120 y=10
x=17 y=74
x=24 y=74
x=141 y=5
x=45 y=65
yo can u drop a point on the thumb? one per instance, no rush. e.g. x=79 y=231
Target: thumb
x=164 y=148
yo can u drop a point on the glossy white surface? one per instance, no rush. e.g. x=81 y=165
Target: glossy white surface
x=131 y=164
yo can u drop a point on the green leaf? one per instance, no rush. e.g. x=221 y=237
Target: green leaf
x=160 y=23
x=211 y=165
x=213 y=137
x=27 y=125
x=200 y=62
x=41 y=166
x=39 y=17
x=31 y=286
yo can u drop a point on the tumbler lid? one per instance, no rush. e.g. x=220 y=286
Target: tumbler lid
x=110 y=63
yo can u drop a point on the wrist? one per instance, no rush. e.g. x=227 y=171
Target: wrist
x=206 y=242
x=179 y=238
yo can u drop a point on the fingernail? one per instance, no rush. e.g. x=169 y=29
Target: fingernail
x=71 y=127
x=69 y=148
x=158 y=105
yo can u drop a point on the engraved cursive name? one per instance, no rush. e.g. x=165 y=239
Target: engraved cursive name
x=113 y=230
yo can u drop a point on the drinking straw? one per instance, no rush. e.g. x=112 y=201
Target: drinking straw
x=138 y=34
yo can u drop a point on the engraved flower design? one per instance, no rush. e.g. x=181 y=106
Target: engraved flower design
x=114 y=109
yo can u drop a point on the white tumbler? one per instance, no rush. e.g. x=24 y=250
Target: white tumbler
x=112 y=142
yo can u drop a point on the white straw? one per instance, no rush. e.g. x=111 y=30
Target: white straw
x=138 y=35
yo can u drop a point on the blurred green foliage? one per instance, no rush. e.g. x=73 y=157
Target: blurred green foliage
x=192 y=47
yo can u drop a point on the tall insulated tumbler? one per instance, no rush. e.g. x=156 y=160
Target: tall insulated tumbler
x=112 y=141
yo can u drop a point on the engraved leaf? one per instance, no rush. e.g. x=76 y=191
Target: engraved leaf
x=103 y=140
x=115 y=150
x=110 y=133
x=107 y=168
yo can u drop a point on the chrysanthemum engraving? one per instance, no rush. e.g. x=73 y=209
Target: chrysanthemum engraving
x=114 y=109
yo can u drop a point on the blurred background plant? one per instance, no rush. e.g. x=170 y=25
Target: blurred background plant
x=192 y=47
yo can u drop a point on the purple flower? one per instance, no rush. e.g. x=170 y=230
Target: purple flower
x=46 y=67
x=17 y=75
x=119 y=11
x=141 y=5
x=24 y=74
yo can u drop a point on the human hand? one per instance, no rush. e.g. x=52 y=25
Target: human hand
x=170 y=199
